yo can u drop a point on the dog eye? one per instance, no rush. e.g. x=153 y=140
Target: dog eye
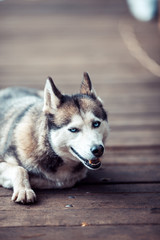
x=96 y=124
x=74 y=130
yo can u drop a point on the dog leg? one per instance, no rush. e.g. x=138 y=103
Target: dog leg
x=16 y=177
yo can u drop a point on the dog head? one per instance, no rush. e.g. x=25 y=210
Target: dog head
x=77 y=124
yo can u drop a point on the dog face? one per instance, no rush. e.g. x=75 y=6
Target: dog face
x=77 y=125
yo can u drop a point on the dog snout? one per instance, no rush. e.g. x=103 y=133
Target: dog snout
x=97 y=150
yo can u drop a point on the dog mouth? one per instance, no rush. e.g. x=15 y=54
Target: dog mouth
x=91 y=164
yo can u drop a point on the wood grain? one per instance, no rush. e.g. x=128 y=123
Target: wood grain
x=71 y=217
x=89 y=232
x=62 y=39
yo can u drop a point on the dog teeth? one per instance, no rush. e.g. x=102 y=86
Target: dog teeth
x=94 y=162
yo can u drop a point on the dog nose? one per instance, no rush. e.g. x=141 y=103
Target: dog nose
x=97 y=150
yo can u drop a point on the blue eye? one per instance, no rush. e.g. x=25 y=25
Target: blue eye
x=74 y=130
x=96 y=124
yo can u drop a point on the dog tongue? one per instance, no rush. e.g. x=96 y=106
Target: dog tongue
x=94 y=161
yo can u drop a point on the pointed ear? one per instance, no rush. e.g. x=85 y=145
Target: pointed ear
x=86 y=86
x=52 y=97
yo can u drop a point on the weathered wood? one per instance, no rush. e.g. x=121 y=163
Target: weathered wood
x=87 y=189
x=75 y=217
x=59 y=201
x=111 y=90
x=122 y=232
x=121 y=121
x=132 y=155
x=116 y=188
x=125 y=174
x=34 y=46
x=63 y=39
x=134 y=137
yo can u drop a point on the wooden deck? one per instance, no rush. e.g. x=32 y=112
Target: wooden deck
x=64 y=38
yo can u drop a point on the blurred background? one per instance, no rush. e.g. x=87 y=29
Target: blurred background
x=64 y=38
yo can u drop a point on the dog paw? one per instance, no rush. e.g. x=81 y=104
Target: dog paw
x=24 y=196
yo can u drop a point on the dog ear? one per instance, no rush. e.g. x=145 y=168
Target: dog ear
x=86 y=86
x=52 y=97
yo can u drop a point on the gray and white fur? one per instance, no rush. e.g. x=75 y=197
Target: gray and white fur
x=49 y=140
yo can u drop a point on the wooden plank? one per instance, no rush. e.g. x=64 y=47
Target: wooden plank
x=121 y=201
x=121 y=106
x=113 y=176
x=59 y=201
x=83 y=51
x=132 y=155
x=136 y=138
x=89 y=27
x=87 y=189
x=125 y=174
x=84 y=8
x=132 y=120
x=54 y=30
x=122 y=232
x=35 y=76
x=132 y=89
x=132 y=174
x=117 y=103
x=114 y=188
x=75 y=217
x=141 y=90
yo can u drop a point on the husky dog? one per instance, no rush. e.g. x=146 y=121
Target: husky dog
x=50 y=141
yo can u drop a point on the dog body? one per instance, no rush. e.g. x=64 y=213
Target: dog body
x=50 y=141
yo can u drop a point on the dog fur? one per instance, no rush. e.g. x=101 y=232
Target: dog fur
x=50 y=141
